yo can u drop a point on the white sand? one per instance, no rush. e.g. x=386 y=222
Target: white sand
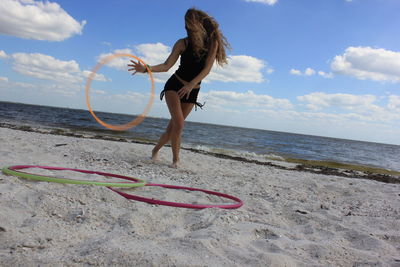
x=289 y=218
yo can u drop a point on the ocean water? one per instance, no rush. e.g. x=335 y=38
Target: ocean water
x=235 y=141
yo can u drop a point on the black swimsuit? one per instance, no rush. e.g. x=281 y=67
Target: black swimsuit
x=190 y=66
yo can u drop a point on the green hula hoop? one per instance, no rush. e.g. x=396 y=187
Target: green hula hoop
x=14 y=170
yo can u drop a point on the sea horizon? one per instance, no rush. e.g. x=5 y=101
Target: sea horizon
x=206 y=123
x=247 y=143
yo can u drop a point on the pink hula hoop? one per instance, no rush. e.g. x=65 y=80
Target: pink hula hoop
x=183 y=205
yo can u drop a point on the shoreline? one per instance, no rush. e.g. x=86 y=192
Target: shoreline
x=289 y=217
x=311 y=166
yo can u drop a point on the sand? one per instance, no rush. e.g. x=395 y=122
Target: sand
x=289 y=218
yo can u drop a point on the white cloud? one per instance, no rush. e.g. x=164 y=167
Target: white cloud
x=367 y=63
x=106 y=43
x=295 y=72
x=3 y=54
x=38 y=89
x=354 y=107
x=61 y=89
x=272 y=2
x=267 y=2
x=119 y=63
x=98 y=92
x=309 y=72
x=157 y=53
x=47 y=67
x=394 y=103
x=325 y=75
x=66 y=73
x=319 y=100
x=153 y=53
x=7 y=84
x=37 y=20
x=240 y=68
x=270 y=70
x=132 y=97
x=247 y=99
x=97 y=76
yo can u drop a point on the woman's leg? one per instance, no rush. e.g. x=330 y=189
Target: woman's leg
x=179 y=112
x=164 y=138
x=177 y=121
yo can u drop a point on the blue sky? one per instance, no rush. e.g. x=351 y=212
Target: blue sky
x=319 y=67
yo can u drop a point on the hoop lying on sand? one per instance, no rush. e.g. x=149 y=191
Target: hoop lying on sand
x=184 y=205
x=14 y=170
x=134 y=182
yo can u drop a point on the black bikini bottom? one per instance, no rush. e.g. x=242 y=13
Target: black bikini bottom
x=173 y=84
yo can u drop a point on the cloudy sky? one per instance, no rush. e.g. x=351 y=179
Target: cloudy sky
x=328 y=68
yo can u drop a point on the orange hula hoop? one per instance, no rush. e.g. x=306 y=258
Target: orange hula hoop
x=139 y=118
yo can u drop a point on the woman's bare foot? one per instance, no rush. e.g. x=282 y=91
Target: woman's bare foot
x=175 y=164
x=154 y=155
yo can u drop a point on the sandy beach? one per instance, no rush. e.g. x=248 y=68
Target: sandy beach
x=289 y=217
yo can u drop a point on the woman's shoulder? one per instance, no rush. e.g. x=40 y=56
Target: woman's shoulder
x=183 y=41
x=181 y=44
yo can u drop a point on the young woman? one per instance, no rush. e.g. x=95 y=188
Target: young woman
x=204 y=44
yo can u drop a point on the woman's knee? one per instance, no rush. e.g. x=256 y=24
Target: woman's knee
x=177 y=124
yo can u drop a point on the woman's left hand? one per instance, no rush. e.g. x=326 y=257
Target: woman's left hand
x=185 y=91
x=136 y=67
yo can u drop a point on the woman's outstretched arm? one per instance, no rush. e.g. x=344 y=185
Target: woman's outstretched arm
x=178 y=48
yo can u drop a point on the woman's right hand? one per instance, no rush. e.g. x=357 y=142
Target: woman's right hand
x=136 y=67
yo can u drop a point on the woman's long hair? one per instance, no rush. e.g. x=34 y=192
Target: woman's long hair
x=203 y=30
